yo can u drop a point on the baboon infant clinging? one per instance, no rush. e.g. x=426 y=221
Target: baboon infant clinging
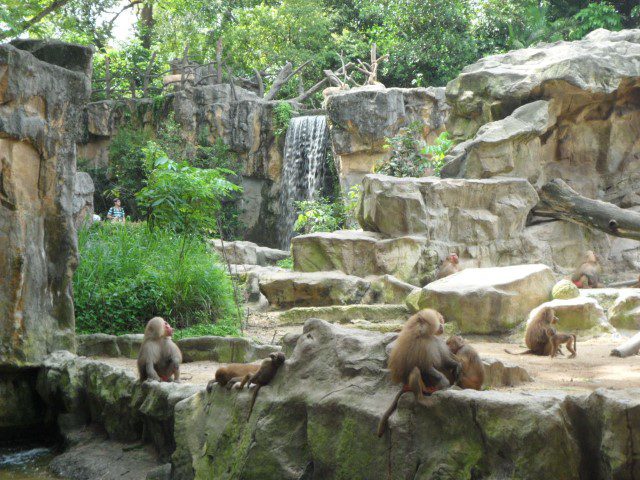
x=587 y=275
x=472 y=374
x=558 y=338
x=159 y=358
x=419 y=358
x=536 y=337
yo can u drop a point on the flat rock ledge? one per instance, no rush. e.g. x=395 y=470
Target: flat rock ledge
x=318 y=418
x=208 y=348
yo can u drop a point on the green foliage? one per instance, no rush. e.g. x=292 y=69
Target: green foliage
x=411 y=157
x=326 y=215
x=438 y=151
x=282 y=115
x=180 y=197
x=128 y=274
x=596 y=15
x=285 y=263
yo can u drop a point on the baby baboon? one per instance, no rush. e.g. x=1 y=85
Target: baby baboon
x=419 y=358
x=159 y=358
x=449 y=266
x=558 y=338
x=267 y=370
x=587 y=275
x=232 y=373
x=536 y=337
x=472 y=375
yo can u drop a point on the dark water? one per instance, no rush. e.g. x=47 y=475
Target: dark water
x=26 y=462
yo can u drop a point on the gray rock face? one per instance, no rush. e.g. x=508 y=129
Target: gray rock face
x=41 y=114
x=361 y=119
x=82 y=199
x=488 y=300
x=566 y=109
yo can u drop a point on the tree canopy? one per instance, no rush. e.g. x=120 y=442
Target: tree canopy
x=428 y=41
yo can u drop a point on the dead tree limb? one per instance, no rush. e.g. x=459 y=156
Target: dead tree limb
x=560 y=201
x=260 y=82
x=628 y=348
x=278 y=83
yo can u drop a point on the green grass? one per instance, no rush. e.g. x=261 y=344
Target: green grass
x=126 y=275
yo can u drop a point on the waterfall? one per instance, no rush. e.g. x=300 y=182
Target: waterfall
x=303 y=169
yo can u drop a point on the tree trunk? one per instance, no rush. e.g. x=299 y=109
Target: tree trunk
x=628 y=348
x=558 y=200
x=147 y=23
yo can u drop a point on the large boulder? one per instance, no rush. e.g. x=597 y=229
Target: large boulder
x=473 y=212
x=361 y=120
x=247 y=253
x=344 y=314
x=625 y=311
x=42 y=96
x=487 y=300
x=358 y=253
x=563 y=110
x=312 y=289
x=580 y=313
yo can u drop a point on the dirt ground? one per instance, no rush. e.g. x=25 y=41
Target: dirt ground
x=593 y=368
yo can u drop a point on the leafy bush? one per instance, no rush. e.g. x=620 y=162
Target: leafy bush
x=325 y=215
x=596 y=15
x=285 y=263
x=128 y=274
x=411 y=157
x=180 y=197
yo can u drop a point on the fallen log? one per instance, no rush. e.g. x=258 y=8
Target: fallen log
x=628 y=348
x=558 y=200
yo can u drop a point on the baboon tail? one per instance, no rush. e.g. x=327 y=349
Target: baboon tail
x=253 y=400
x=382 y=425
x=526 y=352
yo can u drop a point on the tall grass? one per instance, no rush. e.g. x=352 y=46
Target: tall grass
x=127 y=274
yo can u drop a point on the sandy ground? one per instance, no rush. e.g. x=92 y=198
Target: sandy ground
x=593 y=368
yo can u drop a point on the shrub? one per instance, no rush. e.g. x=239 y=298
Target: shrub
x=326 y=215
x=128 y=274
x=411 y=157
x=282 y=114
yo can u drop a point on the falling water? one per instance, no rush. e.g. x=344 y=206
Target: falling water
x=303 y=169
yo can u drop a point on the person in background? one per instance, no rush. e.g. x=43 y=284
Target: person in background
x=116 y=213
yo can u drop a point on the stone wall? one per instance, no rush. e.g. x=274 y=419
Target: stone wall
x=40 y=122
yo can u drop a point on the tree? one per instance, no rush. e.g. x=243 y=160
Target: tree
x=183 y=198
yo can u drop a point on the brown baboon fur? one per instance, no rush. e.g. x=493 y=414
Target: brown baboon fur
x=267 y=370
x=449 y=266
x=159 y=358
x=232 y=373
x=472 y=375
x=558 y=338
x=587 y=275
x=419 y=357
x=536 y=337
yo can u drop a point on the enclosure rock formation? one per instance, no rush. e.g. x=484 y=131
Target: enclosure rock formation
x=318 y=419
x=581 y=313
x=566 y=110
x=361 y=120
x=40 y=122
x=247 y=253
